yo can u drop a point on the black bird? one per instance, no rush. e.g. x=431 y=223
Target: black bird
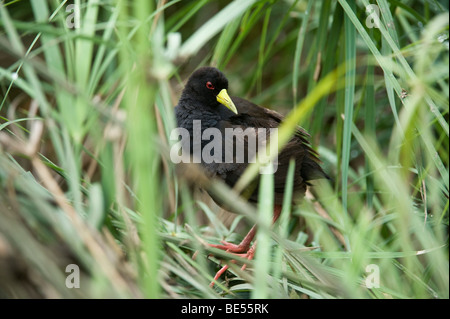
x=205 y=99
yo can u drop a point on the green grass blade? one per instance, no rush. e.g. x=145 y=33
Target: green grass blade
x=350 y=70
x=299 y=49
x=263 y=253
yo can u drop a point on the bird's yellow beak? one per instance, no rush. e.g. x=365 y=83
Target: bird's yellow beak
x=224 y=98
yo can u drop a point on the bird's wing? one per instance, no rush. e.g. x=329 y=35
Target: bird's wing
x=245 y=132
x=251 y=114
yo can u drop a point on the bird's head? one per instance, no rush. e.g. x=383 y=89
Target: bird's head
x=209 y=86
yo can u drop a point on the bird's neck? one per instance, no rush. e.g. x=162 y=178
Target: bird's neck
x=193 y=109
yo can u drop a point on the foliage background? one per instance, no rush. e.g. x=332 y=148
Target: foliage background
x=85 y=121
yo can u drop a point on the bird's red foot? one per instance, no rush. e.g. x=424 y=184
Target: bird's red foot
x=235 y=249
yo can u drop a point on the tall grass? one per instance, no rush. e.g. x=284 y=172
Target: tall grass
x=85 y=119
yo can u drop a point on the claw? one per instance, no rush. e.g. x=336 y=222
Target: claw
x=233 y=248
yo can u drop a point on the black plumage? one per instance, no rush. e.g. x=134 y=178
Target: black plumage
x=198 y=102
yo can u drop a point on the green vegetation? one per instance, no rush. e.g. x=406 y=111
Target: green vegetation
x=86 y=113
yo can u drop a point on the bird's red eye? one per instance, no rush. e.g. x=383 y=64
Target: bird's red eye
x=209 y=85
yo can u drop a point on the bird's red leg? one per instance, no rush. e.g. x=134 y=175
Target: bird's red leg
x=251 y=252
x=243 y=247
x=276 y=213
